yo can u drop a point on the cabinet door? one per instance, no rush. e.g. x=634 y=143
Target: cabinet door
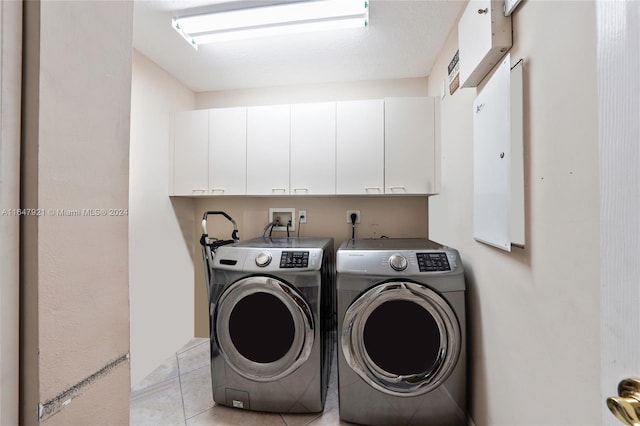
x=191 y=153
x=268 y=150
x=409 y=144
x=360 y=147
x=228 y=151
x=484 y=36
x=313 y=148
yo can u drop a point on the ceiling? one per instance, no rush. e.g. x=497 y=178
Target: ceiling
x=402 y=41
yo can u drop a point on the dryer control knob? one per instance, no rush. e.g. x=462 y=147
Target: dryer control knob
x=398 y=262
x=263 y=259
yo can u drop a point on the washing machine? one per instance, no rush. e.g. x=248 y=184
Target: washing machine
x=401 y=333
x=272 y=320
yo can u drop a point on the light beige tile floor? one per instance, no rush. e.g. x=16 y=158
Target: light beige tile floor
x=178 y=392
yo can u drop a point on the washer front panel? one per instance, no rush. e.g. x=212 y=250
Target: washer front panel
x=401 y=337
x=264 y=328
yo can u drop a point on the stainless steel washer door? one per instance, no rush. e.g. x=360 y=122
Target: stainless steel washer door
x=402 y=338
x=264 y=328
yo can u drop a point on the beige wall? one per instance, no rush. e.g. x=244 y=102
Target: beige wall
x=313 y=93
x=534 y=314
x=326 y=217
x=10 y=104
x=161 y=236
x=75 y=310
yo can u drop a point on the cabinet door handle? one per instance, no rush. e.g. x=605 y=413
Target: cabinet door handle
x=369 y=189
x=296 y=190
x=199 y=190
x=279 y=190
x=398 y=188
x=217 y=190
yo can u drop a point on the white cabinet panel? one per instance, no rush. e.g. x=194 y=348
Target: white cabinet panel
x=360 y=147
x=313 y=148
x=484 y=36
x=190 y=153
x=351 y=147
x=268 y=150
x=409 y=160
x=228 y=151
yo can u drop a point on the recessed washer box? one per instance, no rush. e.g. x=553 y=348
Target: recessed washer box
x=284 y=214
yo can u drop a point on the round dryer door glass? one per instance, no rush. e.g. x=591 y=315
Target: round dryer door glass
x=264 y=328
x=261 y=327
x=402 y=338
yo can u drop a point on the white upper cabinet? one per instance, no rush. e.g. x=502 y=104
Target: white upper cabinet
x=190 y=153
x=368 y=147
x=360 y=147
x=409 y=145
x=313 y=148
x=484 y=36
x=228 y=151
x=268 y=150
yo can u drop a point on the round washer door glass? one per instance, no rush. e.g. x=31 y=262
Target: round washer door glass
x=402 y=338
x=264 y=328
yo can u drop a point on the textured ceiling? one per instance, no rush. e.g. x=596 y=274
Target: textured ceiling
x=402 y=41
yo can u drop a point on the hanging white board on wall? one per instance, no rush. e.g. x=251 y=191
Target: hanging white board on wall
x=517 y=216
x=498 y=196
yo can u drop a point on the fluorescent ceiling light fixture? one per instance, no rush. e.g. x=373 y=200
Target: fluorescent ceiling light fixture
x=289 y=18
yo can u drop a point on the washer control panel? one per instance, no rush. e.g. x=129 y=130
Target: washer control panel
x=277 y=255
x=294 y=259
x=433 y=262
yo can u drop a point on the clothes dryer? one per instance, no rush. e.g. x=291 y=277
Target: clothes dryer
x=401 y=325
x=272 y=313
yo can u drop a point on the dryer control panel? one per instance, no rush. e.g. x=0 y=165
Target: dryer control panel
x=398 y=263
x=294 y=259
x=433 y=262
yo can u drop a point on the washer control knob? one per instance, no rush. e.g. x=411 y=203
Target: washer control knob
x=398 y=262
x=263 y=259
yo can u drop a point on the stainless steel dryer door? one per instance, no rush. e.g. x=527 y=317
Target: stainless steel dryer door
x=402 y=338
x=264 y=328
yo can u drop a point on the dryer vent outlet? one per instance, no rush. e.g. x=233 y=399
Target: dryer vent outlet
x=283 y=215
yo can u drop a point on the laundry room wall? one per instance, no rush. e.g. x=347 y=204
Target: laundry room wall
x=10 y=105
x=74 y=301
x=161 y=236
x=534 y=313
x=327 y=92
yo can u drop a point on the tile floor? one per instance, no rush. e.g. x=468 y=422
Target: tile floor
x=178 y=392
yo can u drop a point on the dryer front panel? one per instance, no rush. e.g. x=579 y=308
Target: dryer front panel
x=264 y=328
x=401 y=337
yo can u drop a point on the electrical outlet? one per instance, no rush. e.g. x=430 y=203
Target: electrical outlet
x=283 y=215
x=357 y=212
x=302 y=216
